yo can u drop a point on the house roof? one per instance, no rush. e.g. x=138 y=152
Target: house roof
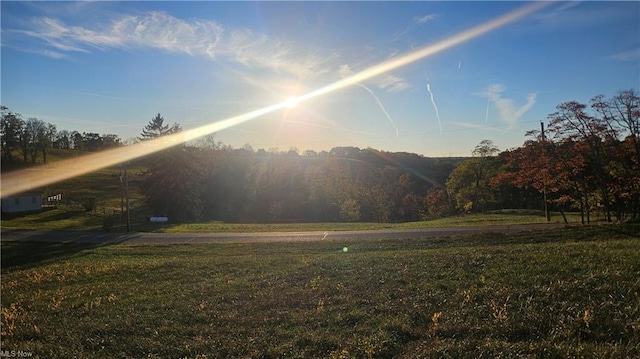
x=24 y=194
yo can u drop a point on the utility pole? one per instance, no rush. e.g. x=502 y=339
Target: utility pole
x=121 y=192
x=544 y=187
x=126 y=192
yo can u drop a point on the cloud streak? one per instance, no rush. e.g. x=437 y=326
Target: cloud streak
x=507 y=110
x=167 y=33
x=630 y=55
x=392 y=83
x=381 y=108
x=423 y=19
x=435 y=107
x=346 y=71
x=417 y=21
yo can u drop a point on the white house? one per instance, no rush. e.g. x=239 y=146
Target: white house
x=22 y=202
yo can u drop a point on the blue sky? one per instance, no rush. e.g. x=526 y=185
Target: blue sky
x=109 y=67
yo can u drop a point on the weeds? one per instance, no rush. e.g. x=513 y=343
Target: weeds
x=9 y=316
x=499 y=312
x=435 y=323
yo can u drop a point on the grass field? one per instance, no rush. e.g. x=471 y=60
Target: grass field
x=572 y=292
x=62 y=219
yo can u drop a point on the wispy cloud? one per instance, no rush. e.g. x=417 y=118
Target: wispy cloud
x=474 y=126
x=423 y=19
x=417 y=21
x=42 y=52
x=630 y=55
x=52 y=54
x=392 y=83
x=162 y=31
x=579 y=14
x=507 y=110
x=557 y=14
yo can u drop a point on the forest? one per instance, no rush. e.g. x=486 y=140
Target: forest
x=585 y=158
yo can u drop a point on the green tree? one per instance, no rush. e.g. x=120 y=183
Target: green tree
x=406 y=203
x=32 y=139
x=470 y=182
x=77 y=140
x=437 y=203
x=11 y=129
x=172 y=183
x=110 y=141
x=157 y=128
x=63 y=140
x=349 y=210
x=46 y=137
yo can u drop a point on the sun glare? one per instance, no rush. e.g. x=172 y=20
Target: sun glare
x=291 y=102
x=21 y=180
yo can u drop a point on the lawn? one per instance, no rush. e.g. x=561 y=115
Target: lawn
x=571 y=292
x=63 y=219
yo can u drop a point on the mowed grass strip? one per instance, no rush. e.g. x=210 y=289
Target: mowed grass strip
x=61 y=219
x=573 y=292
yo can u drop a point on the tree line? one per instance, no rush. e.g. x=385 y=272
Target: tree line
x=588 y=158
x=28 y=141
x=208 y=180
x=585 y=158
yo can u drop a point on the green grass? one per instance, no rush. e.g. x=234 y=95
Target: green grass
x=456 y=221
x=78 y=220
x=103 y=184
x=57 y=219
x=572 y=292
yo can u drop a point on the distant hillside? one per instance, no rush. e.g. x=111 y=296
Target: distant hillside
x=247 y=185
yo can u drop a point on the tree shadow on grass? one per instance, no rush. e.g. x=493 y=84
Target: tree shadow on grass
x=28 y=249
x=627 y=229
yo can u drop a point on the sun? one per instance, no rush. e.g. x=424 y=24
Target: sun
x=291 y=102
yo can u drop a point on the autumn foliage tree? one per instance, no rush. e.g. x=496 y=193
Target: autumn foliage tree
x=621 y=114
x=589 y=158
x=536 y=165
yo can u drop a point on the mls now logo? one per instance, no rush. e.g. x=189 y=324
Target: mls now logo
x=15 y=354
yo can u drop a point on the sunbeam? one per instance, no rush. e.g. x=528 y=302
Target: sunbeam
x=22 y=180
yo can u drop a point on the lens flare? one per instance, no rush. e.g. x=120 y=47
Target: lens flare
x=291 y=102
x=23 y=180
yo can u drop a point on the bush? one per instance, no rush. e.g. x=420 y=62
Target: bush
x=89 y=203
x=107 y=223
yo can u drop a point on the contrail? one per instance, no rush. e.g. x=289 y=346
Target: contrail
x=345 y=71
x=29 y=179
x=426 y=51
x=381 y=107
x=486 y=115
x=434 y=107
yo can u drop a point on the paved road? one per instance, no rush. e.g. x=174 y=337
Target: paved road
x=104 y=238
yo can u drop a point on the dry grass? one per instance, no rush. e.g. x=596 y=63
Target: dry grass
x=564 y=293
